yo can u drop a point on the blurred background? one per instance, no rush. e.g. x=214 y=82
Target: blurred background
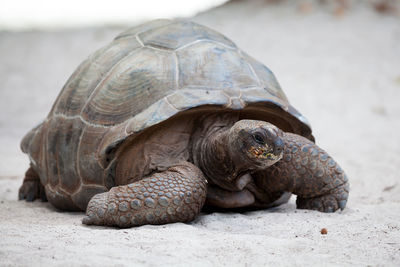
x=338 y=62
x=48 y=14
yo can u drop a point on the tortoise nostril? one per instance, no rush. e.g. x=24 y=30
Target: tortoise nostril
x=278 y=146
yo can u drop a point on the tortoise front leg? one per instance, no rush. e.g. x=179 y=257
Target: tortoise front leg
x=309 y=172
x=174 y=195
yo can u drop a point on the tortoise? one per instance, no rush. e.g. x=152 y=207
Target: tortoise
x=169 y=117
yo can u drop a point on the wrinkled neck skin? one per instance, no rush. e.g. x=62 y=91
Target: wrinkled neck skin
x=212 y=154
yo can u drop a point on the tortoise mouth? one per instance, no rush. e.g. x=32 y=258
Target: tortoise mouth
x=265 y=153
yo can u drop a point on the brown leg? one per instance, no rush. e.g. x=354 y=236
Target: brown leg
x=310 y=173
x=174 y=195
x=31 y=187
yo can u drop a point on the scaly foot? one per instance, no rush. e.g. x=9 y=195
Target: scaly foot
x=175 y=195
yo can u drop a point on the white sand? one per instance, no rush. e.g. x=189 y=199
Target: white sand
x=342 y=72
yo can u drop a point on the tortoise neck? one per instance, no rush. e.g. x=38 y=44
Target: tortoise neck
x=211 y=151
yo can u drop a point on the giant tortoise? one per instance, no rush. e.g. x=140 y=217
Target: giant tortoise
x=170 y=116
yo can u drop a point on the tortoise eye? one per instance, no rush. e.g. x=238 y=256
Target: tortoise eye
x=258 y=138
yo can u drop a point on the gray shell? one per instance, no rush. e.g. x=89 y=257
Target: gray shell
x=145 y=76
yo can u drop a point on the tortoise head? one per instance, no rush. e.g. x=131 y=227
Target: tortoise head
x=255 y=144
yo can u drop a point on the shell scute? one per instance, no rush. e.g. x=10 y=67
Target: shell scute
x=181 y=33
x=184 y=98
x=61 y=200
x=215 y=68
x=266 y=78
x=159 y=111
x=89 y=169
x=134 y=84
x=89 y=74
x=132 y=32
x=63 y=139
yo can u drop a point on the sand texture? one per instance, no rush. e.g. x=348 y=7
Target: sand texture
x=340 y=69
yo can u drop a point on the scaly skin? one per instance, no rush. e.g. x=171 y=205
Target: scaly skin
x=307 y=171
x=174 y=195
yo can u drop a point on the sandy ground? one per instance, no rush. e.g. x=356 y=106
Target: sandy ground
x=341 y=71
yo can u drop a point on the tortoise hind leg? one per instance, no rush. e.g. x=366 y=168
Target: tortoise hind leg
x=31 y=187
x=174 y=195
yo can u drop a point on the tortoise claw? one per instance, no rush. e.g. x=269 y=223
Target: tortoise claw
x=96 y=209
x=31 y=190
x=342 y=204
x=31 y=187
x=336 y=199
x=30 y=196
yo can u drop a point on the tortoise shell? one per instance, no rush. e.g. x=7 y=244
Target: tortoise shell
x=145 y=76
